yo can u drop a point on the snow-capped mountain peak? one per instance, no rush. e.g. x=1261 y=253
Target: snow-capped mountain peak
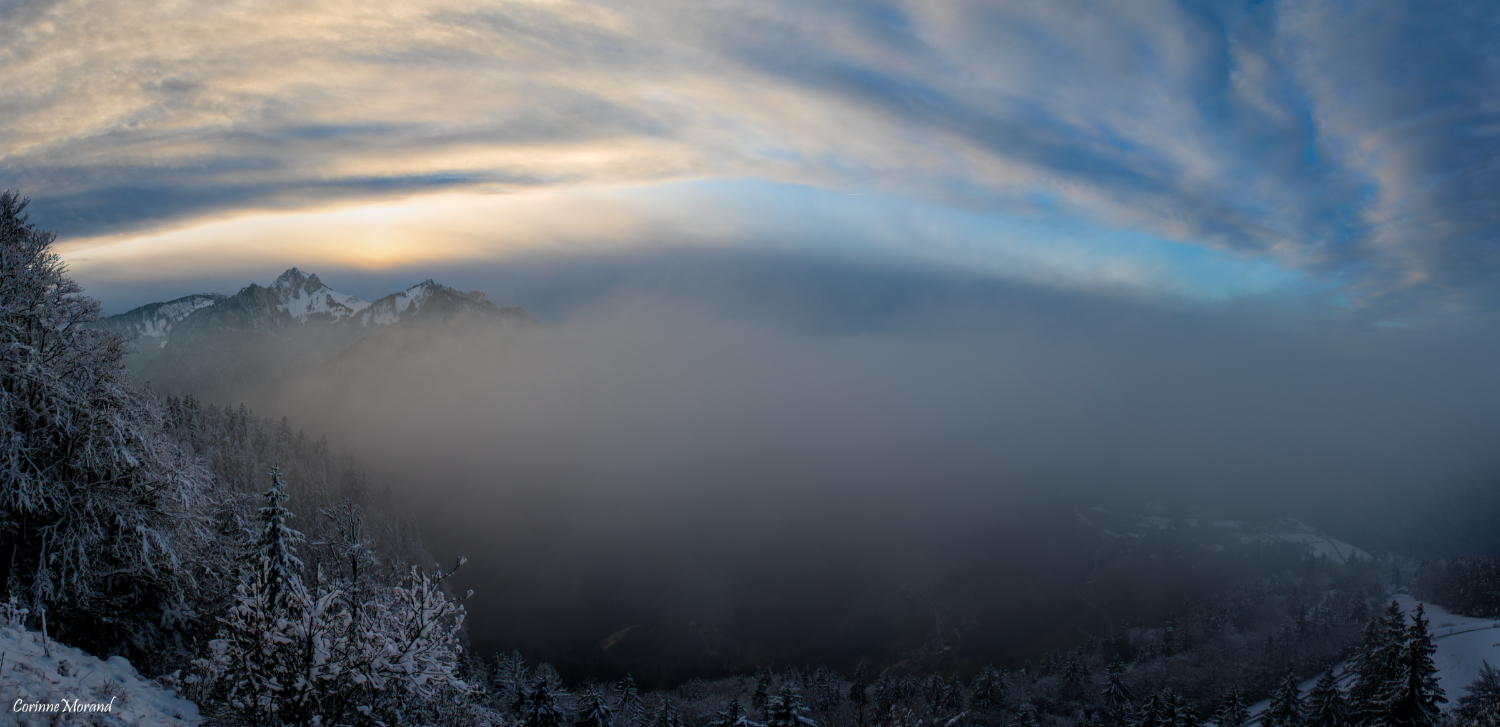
x=305 y=297
x=427 y=298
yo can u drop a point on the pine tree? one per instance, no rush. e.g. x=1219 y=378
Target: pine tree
x=1412 y=698
x=1075 y=678
x=885 y=697
x=1325 y=705
x=988 y=689
x=1116 y=694
x=667 y=715
x=595 y=711
x=1180 y=712
x=734 y=716
x=1481 y=699
x=1026 y=716
x=859 y=685
x=1286 y=704
x=1376 y=665
x=760 y=698
x=542 y=709
x=627 y=699
x=277 y=544
x=1155 y=713
x=1233 y=712
x=786 y=709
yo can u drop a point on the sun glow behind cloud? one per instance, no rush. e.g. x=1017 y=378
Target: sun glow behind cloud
x=1105 y=135
x=444 y=229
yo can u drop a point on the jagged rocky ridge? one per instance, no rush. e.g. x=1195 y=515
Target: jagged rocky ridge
x=224 y=348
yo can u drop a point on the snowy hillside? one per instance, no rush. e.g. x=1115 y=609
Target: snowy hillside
x=390 y=308
x=156 y=320
x=1217 y=534
x=40 y=683
x=1463 y=644
x=432 y=301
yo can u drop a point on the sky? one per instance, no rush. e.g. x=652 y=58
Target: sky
x=1332 y=159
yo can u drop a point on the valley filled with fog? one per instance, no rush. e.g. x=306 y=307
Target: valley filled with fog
x=719 y=484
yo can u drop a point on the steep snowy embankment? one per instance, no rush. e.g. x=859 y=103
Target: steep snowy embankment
x=1463 y=645
x=69 y=687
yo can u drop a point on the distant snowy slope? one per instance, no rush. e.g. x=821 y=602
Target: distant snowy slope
x=1217 y=534
x=32 y=681
x=428 y=300
x=155 y=320
x=1288 y=530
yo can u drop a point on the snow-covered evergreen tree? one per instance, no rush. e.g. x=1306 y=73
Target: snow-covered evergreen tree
x=1412 y=698
x=542 y=707
x=734 y=715
x=627 y=700
x=666 y=715
x=276 y=546
x=100 y=515
x=594 y=711
x=294 y=652
x=786 y=709
x=1375 y=665
x=1481 y=699
x=1232 y=712
x=1325 y=704
x=1286 y=704
x=1116 y=694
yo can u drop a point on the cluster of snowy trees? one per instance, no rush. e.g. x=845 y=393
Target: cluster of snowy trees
x=137 y=527
x=1468 y=586
x=97 y=506
x=1205 y=666
x=1390 y=683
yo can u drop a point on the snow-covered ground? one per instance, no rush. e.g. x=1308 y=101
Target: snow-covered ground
x=1463 y=645
x=32 y=680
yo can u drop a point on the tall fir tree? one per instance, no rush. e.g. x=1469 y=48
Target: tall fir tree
x=1233 y=712
x=1116 y=693
x=666 y=715
x=627 y=700
x=1412 y=698
x=1325 y=704
x=859 y=685
x=542 y=708
x=760 y=699
x=277 y=544
x=1286 y=704
x=988 y=689
x=594 y=711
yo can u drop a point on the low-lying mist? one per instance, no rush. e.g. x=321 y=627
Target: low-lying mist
x=742 y=488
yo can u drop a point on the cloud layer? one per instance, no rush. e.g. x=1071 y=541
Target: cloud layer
x=1356 y=142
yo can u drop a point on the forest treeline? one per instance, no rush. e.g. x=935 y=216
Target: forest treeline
x=231 y=557
x=1468 y=586
x=1206 y=665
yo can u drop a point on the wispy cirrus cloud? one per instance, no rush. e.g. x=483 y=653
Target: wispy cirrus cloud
x=1355 y=143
